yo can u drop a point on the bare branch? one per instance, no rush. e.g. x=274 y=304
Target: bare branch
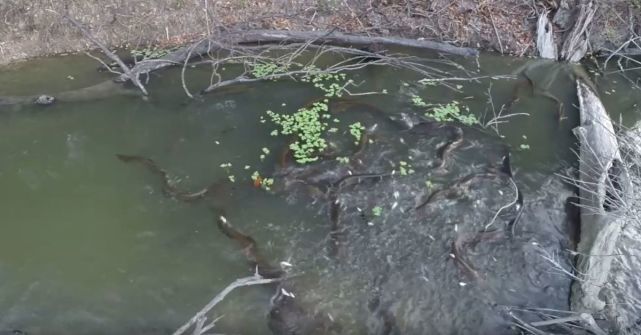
x=125 y=69
x=199 y=319
x=105 y=65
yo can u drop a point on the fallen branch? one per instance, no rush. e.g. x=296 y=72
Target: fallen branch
x=226 y=41
x=133 y=76
x=296 y=64
x=581 y=320
x=498 y=118
x=200 y=318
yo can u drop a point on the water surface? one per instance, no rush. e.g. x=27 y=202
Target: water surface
x=90 y=245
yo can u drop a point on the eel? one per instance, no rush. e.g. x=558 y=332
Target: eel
x=457 y=188
x=286 y=316
x=462 y=186
x=546 y=93
x=250 y=249
x=466 y=240
x=444 y=151
x=336 y=234
x=168 y=188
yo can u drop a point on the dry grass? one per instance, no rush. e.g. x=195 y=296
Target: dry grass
x=29 y=29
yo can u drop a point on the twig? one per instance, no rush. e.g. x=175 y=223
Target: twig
x=616 y=52
x=496 y=32
x=107 y=67
x=506 y=206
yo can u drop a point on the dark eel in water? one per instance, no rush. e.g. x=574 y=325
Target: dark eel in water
x=444 y=151
x=458 y=188
x=286 y=316
x=528 y=82
x=463 y=185
x=463 y=241
x=168 y=188
x=250 y=250
x=337 y=234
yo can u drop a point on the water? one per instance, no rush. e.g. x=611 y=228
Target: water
x=90 y=245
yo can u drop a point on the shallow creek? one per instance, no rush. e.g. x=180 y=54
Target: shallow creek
x=91 y=245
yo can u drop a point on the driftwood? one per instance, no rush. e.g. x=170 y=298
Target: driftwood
x=575 y=45
x=545 y=38
x=582 y=320
x=603 y=188
x=623 y=296
x=199 y=319
x=223 y=42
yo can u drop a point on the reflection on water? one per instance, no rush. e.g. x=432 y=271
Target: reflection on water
x=90 y=245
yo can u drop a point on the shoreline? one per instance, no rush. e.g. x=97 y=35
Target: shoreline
x=32 y=29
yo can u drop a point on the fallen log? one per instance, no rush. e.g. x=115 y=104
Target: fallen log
x=604 y=188
x=623 y=291
x=223 y=42
x=575 y=42
x=99 y=91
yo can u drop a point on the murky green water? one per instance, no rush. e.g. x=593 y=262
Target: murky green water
x=90 y=245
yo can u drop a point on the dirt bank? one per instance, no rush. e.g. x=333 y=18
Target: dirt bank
x=30 y=28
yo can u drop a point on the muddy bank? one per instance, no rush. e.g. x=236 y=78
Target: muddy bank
x=32 y=28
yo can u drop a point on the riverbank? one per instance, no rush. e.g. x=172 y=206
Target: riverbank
x=35 y=28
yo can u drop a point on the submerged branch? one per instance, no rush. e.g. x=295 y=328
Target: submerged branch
x=200 y=318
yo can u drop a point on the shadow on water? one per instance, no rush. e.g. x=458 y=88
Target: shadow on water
x=92 y=246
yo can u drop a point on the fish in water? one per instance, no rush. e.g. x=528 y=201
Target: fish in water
x=470 y=240
x=286 y=316
x=250 y=250
x=167 y=186
x=444 y=152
